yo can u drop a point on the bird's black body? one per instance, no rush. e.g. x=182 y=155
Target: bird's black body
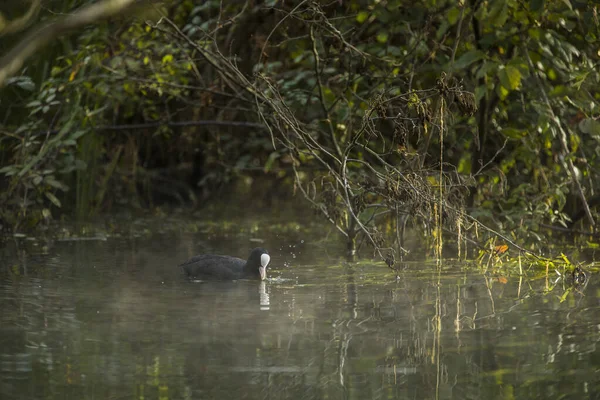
x=226 y=268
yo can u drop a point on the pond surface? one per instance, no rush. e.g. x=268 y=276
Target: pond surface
x=116 y=319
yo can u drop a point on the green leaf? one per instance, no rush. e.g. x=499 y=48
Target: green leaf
x=453 y=15
x=510 y=77
x=464 y=165
x=468 y=58
x=480 y=91
x=590 y=126
x=559 y=90
x=51 y=145
x=590 y=37
x=77 y=134
x=53 y=199
x=24 y=82
x=502 y=92
x=565 y=294
x=579 y=79
x=362 y=17
x=51 y=181
x=26 y=85
x=536 y=6
x=568 y=4
x=9 y=168
x=441 y=31
x=498 y=13
x=486 y=68
x=35 y=103
x=513 y=133
x=134 y=65
x=270 y=161
x=534 y=33
x=382 y=37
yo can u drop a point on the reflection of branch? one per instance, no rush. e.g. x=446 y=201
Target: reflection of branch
x=34 y=41
x=491 y=296
x=343 y=352
x=503 y=237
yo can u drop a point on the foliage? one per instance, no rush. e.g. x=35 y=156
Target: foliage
x=473 y=116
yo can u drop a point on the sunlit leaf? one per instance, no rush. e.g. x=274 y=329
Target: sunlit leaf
x=501 y=91
x=513 y=133
x=565 y=259
x=464 y=165
x=382 y=37
x=558 y=90
x=362 y=17
x=501 y=249
x=510 y=77
x=565 y=294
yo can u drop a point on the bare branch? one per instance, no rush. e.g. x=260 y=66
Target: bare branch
x=12 y=62
x=20 y=23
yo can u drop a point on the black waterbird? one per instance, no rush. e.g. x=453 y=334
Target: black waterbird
x=226 y=268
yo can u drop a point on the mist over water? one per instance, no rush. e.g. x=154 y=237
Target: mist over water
x=115 y=318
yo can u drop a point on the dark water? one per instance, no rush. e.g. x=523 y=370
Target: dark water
x=115 y=319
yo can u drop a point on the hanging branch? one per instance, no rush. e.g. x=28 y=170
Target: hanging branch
x=18 y=24
x=32 y=42
x=384 y=177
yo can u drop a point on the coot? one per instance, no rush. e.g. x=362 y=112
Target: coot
x=224 y=268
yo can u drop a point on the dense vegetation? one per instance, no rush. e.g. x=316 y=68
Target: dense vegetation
x=470 y=120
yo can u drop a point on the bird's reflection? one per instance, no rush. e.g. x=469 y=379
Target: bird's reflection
x=265 y=303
